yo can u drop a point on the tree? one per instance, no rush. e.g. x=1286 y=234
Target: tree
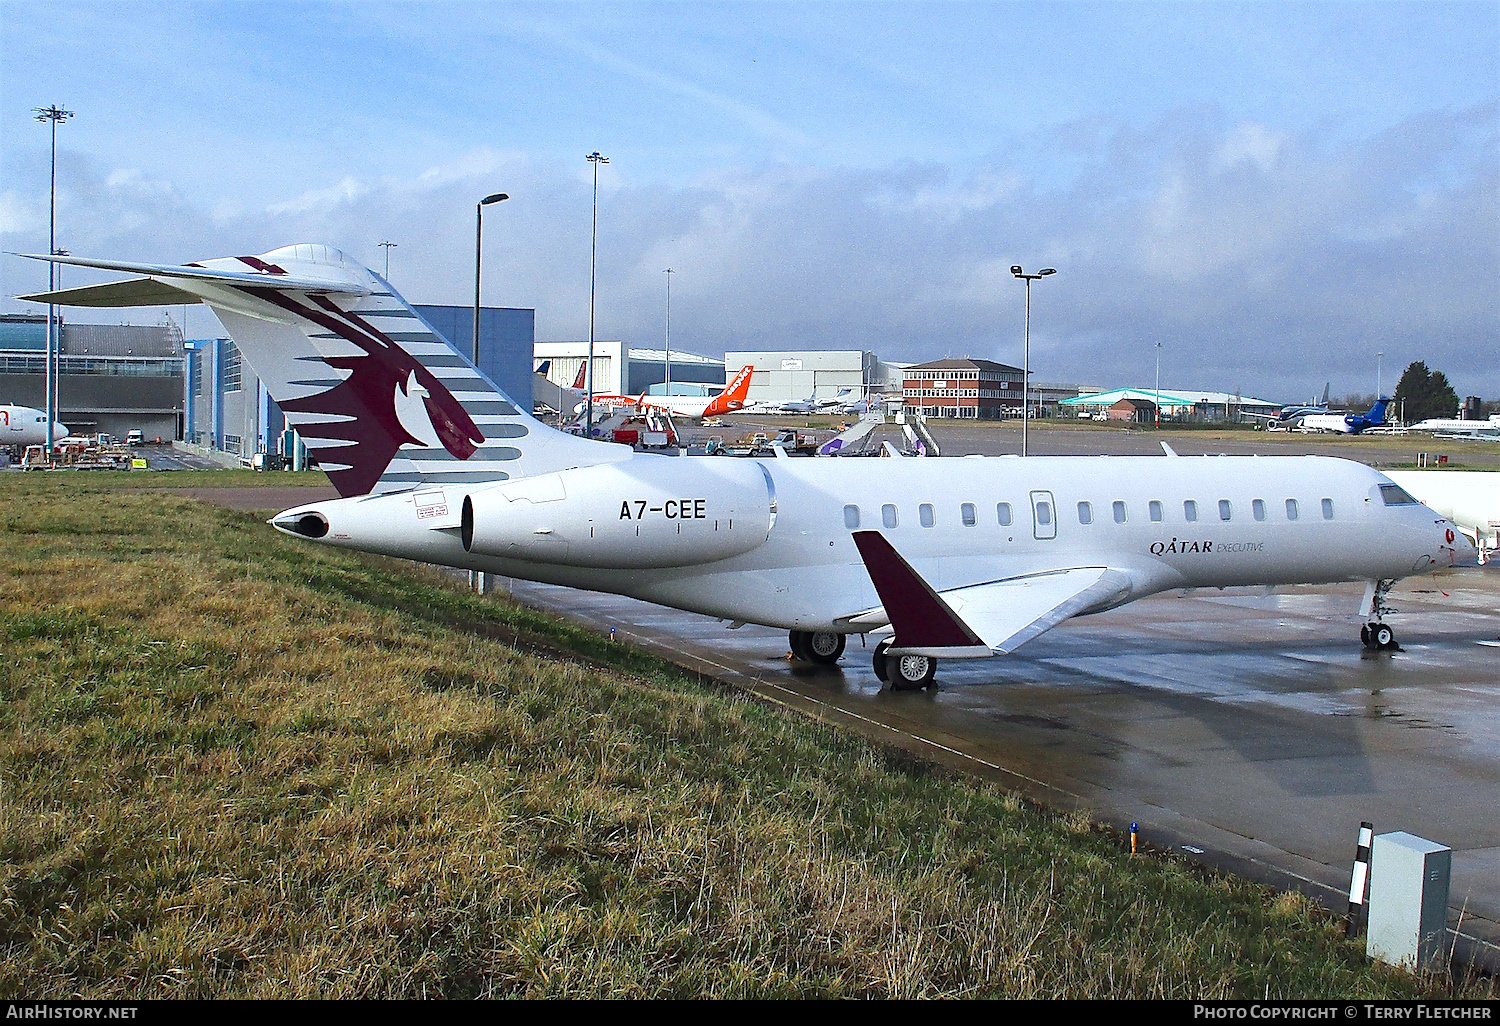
x=1423 y=394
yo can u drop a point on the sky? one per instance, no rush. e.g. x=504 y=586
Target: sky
x=1274 y=192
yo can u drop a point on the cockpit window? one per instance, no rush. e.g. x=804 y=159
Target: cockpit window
x=1395 y=495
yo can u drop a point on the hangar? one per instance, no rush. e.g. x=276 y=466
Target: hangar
x=112 y=378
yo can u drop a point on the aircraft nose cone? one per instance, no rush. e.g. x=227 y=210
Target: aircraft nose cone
x=1458 y=550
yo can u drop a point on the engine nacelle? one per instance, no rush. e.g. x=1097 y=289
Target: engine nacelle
x=643 y=513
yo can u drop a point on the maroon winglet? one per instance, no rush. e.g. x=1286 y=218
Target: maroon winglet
x=921 y=618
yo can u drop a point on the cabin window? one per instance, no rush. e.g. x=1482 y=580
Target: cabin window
x=1044 y=513
x=888 y=515
x=851 y=517
x=1085 y=513
x=1119 y=508
x=1395 y=495
x=1291 y=509
x=1190 y=511
x=924 y=514
x=969 y=514
x=1002 y=511
x=1258 y=508
x=1327 y=509
x=1154 y=508
x=1225 y=512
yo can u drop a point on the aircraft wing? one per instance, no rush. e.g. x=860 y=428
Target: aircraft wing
x=983 y=619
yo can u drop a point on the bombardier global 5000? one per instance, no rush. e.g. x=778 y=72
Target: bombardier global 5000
x=938 y=557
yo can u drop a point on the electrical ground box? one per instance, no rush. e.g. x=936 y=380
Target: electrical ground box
x=1408 y=922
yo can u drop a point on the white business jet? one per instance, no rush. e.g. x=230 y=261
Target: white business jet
x=941 y=558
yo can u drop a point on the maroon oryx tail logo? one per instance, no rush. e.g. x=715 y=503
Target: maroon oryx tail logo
x=369 y=397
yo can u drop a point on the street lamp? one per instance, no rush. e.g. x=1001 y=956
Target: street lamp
x=478 y=253
x=668 y=363
x=1158 y=386
x=596 y=158
x=388 y=246
x=1378 y=393
x=1026 y=364
x=53 y=114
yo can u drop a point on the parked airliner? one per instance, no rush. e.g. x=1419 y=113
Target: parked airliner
x=940 y=558
x=22 y=426
x=728 y=400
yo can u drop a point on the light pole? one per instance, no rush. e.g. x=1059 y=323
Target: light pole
x=596 y=158
x=1378 y=393
x=388 y=246
x=53 y=114
x=1158 y=386
x=668 y=363
x=498 y=197
x=1026 y=357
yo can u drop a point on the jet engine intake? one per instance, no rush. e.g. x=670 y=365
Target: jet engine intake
x=649 y=512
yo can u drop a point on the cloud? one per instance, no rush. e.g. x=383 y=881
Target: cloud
x=1263 y=261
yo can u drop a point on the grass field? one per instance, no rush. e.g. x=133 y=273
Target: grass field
x=236 y=765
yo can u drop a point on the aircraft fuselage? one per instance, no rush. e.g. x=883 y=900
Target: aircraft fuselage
x=1192 y=521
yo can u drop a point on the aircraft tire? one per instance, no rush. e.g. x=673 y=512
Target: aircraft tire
x=1364 y=636
x=1385 y=638
x=823 y=646
x=913 y=672
x=882 y=664
x=797 y=640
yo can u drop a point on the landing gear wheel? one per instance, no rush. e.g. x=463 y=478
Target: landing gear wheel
x=1383 y=636
x=910 y=672
x=823 y=646
x=882 y=664
x=797 y=641
x=1364 y=636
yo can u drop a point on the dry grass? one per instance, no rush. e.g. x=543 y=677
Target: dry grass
x=232 y=764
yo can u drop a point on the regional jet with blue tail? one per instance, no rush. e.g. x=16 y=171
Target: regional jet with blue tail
x=938 y=557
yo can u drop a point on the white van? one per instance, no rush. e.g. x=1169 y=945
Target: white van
x=135 y=437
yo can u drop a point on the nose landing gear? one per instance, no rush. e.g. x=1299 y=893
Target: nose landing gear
x=1377 y=635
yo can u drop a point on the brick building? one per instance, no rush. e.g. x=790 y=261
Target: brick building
x=972 y=389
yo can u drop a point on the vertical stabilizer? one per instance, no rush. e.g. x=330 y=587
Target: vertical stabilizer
x=381 y=400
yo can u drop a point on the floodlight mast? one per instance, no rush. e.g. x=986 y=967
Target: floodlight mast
x=667 y=363
x=55 y=115
x=596 y=158
x=387 y=245
x=1015 y=269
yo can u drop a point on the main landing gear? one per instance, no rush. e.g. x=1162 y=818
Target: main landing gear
x=823 y=647
x=904 y=672
x=1377 y=635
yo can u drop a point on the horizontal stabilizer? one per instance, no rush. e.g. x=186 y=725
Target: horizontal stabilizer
x=252 y=276
x=135 y=292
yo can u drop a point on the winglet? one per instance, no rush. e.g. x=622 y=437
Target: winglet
x=924 y=622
